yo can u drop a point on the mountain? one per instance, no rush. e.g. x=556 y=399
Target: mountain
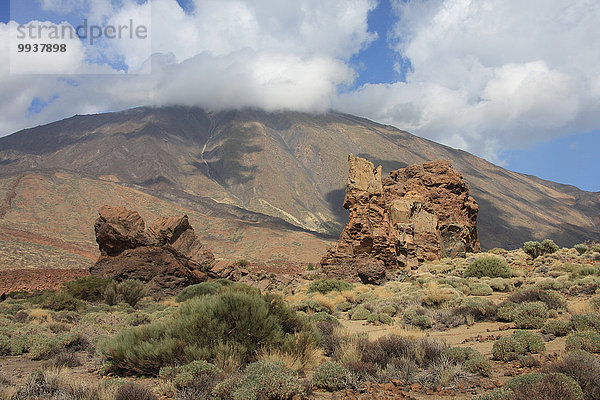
x=255 y=184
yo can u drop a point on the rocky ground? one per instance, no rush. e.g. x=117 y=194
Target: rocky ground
x=436 y=302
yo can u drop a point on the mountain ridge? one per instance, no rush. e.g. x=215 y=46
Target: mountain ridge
x=285 y=170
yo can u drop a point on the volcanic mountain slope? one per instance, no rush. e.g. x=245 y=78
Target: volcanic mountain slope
x=283 y=173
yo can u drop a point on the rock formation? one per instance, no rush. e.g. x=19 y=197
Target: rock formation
x=418 y=213
x=167 y=255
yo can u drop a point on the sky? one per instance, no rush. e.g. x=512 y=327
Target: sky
x=514 y=82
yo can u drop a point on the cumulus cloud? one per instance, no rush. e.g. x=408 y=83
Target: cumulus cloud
x=487 y=75
x=219 y=54
x=490 y=75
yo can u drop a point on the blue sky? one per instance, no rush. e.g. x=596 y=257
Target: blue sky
x=514 y=83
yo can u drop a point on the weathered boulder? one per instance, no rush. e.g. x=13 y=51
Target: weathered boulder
x=167 y=256
x=418 y=213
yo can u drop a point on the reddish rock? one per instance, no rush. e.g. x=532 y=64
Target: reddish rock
x=416 y=214
x=167 y=256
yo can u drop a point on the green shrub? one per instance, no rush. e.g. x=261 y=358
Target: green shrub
x=595 y=302
x=111 y=294
x=5 y=347
x=532 y=341
x=480 y=289
x=322 y=316
x=330 y=376
x=581 y=248
x=472 y=360
x=508 y=348
x=359 y=313
x=262 y=380
x=588 y=341
x=585 y=322
x=247 y=321
x=131 y=291
x=189 y=372
x=344 y=306
x=506 y=311
x=478 y=308
x=89 y=288
x=557 y=327
x=584 y=368
x=388 y=309
x=60 y=301
x=533 y=248
x=530 y=315
x=552 y=299
x=501 y=285
x=202 y=289
x=460 y=354
x=536 y=249
x=416 y=316
x=539 y=386
x=134 y=391
x=325 y=286
x=386 y=319
x=490 y=266
x=478 y=365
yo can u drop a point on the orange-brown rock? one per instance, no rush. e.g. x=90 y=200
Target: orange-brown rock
x=418 y=213
x=167 y=256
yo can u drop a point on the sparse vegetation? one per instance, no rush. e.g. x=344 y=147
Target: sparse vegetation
x=325 y=286
x=490 y=266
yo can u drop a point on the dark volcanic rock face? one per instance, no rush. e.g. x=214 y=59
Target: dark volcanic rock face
x=418 y=213
x=167 y=255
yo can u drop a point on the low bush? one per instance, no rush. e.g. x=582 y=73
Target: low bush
x=134 y=391
x=581 y=248
x=478 y=365
x=557 y=327
x=111 y=294
x=490 y=266
x=388 y=349
x=416 y=316
x=530 y=315
x=442 y=373
x=325 y=286
x=131 y=291
x=200 y=387
x=359 y=313
x=202 y=289
x=187 y=373
x=586 y=322
x=60 y=301
x=536 y=249
x=477 y=308
x=508 y=348
x=243 y=319
x=584 y=368
x=588 y=341
x=261 y=380
x=501 y=285
x=506 y=311
x=480 y=289
x=539 y=386
x=330 y=376
x=89 y=288
x=550 y=298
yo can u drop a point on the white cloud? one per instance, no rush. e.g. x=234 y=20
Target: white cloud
x=223 y=54
x=489 y=75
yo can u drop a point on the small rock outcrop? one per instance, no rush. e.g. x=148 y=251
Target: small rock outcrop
x=167 y=256
x=418 y=213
